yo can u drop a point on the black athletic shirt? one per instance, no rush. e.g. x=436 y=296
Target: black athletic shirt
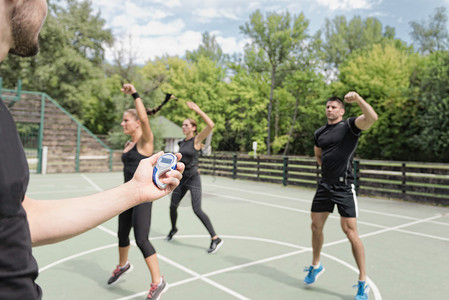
x=18 y=268
x=189 y=156
x=338 y=143
x=131 y=160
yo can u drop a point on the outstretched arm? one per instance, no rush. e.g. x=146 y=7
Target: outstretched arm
x=207 y=130
x=147 y=139
x=369 y=116
x=52 y=221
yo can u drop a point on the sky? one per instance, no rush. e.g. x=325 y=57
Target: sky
x=153 y=28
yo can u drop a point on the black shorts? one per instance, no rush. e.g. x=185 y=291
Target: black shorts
x=328 y=194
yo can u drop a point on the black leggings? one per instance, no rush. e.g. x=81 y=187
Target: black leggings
x=190 y=183
x=138 y=217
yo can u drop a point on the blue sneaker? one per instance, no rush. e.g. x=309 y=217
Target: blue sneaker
x=362 y=290
x=313 y=274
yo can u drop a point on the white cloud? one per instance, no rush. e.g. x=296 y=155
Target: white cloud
x=160 y=28
x=168 y=3
x=346 y=4
x=230 y=45
x=211 y=13
x=148 y=48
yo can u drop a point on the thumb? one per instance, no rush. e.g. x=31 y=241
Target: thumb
x=153 y=159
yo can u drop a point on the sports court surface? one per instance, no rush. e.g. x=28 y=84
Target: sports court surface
x=267 y=240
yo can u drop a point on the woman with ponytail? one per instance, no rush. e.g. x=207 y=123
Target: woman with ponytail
x=135 y=124
x=189 y=148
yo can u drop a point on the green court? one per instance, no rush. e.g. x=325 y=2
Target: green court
x=267 y=244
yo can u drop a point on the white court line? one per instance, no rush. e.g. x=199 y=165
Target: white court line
x=204 y=278
x=213 y=283
x=397 y=228
x=195 y=275
x=92 y=183
x=310 y=201
x=75 y=256
x=374 y=288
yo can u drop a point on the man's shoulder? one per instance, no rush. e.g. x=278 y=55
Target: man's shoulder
x=319 y=130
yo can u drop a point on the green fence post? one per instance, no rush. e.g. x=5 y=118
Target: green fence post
x=19 y=89
x=111 y=157
x=78 y=147
x=41 y=136
x=234 y=166
x=285 y=171
x=356 y=175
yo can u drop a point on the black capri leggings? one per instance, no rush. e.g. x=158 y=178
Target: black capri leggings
x=138 y=217
x=190 y=183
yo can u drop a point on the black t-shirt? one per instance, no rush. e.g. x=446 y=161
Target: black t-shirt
x=189 y=156
x=338 y=143
x=18 y=268
x=131 y=160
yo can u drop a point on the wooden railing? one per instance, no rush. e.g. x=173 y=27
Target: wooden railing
x=420 y=182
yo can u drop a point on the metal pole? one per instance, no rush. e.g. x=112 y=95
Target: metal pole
x=41 y=136
x=111 y=156
x=234 y=166
x=285 y=171
x=78 y=146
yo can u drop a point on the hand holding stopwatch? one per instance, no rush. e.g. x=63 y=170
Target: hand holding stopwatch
x=165 y=163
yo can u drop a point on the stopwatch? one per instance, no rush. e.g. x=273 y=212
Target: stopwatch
x=165 y=163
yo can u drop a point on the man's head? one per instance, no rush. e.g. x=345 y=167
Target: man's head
x=335 y=109
x=22 y=22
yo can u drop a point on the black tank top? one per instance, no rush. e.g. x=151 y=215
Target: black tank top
x=189 y=155
x=131 y=161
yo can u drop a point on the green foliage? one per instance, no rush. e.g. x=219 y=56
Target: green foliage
x=245 y=111
x=381 y=76
x=274 y=91
x=279 y=35
x=431 y=86
x=432 y=36
x=210 y=49
x=201 y=82
x=69 y=65
x=342 y=38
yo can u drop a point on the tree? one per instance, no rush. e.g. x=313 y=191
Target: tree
x=342 y=38
x=433 y=36
x=246 y=110
x=309 y=92
x=201 y=82
x=430 y=85
x=381 y=76
x=209 y=48
x=277 y=36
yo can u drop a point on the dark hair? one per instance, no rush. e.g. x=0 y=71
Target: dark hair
x=155 y=110
x=338 y=100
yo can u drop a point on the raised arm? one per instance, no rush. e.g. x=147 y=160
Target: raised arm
x=52 y=221
x=369 y=116
x=147 y=139
x=200 y=137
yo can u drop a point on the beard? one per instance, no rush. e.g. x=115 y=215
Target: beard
x=25 y=37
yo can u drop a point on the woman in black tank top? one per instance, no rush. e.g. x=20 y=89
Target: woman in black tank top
x=189 y=148
x=135 y=124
